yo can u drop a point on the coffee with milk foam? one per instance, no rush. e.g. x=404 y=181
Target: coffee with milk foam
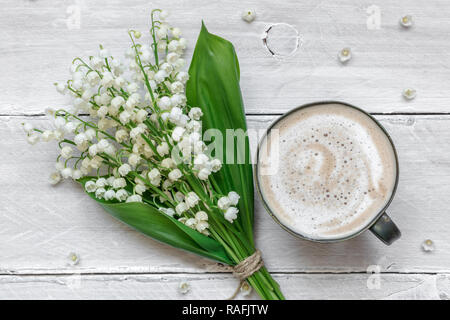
x=336 y=170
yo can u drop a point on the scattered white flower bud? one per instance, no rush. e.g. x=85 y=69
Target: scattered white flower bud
x=245 y=289
x=160 y=76
x=183 y=287
x=409 y=94
x=248 y=15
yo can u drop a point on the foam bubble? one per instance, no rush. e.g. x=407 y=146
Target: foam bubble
x=336 y=171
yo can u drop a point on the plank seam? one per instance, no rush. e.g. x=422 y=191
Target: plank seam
x=222 y=273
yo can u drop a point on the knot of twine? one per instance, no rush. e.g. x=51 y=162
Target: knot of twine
x=246 y=268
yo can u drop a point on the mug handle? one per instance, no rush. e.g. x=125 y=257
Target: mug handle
x=385 y=229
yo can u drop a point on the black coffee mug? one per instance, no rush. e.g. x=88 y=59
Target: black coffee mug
x=381 y=225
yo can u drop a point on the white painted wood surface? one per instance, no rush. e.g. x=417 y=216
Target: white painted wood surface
x=40 y=224
x=39 y=39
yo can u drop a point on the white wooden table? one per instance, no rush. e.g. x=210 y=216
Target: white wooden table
x=40 y=224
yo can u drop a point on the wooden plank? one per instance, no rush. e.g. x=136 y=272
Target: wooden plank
x=41 y=224
x=38 y=40
x=213 y=286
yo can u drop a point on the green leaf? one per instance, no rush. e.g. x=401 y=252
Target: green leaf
x=214 y=87
x=153 y=223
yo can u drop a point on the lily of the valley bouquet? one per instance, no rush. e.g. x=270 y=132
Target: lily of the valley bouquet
x=133 y=137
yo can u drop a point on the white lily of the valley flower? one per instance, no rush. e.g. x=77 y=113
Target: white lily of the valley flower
x=231 y=214
x=181 y=208
x=201 y=226
x=224 y=203
x=90 y=186
x=134 y=198
x=175 y=174
x=100 y=193
x=169 y=211
x=191 y=223
x=119 y=183
x=195 y=113
x=124 y=169
x=140 y=189
x=201 y=216
x=67 y=173
x=177 y=133
x=233 y=197
x=121 y=195
x=66 y=152
x=110 y=195
x=204 y=173
x=192 y=199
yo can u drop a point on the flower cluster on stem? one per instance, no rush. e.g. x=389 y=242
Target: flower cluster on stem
x=130 y=130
